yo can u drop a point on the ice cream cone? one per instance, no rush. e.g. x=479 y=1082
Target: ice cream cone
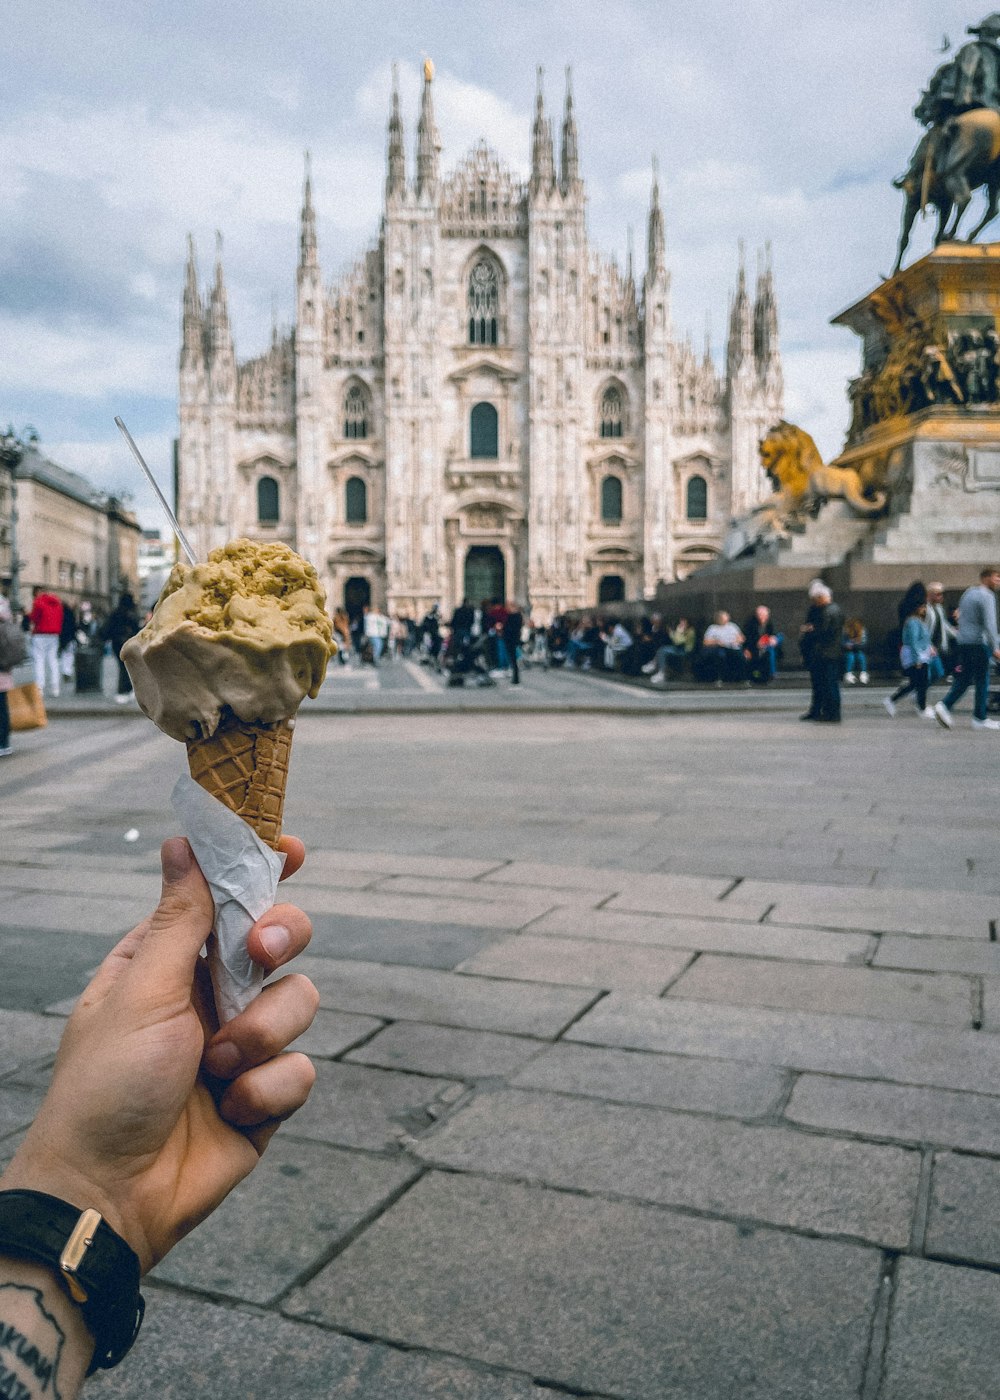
x=246 y=767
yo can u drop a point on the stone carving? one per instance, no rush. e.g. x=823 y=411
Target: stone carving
x=925 y=365
x=964 y=469
x=803 y=481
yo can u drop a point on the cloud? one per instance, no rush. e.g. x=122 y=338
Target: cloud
x=127 y=127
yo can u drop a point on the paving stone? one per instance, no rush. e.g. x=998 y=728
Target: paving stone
x=407 y=942
x=716 y=935
x=903 y=910
x=991 y=1004
x=41 y=966
x=300 y=1201
x=367 y=904
x=939 y=955
x=26 y=1038
x=662 y=1081
x=964 y=1218
x=864 y=1049
x=444 y=998
x=259 y=1356
x=935 y=998
x=941 y=1334
x=379 y=862
x=679 y=894
x=332 y=1032
x=908 y=1114
x=328 y=877
x=599 y=881
x=485 y=892
x=354 y=1106
x=441 y=1050
x=68 y=913
x=824 y=1184
x=579 y=963
x=128 y=884
x=605 y=1295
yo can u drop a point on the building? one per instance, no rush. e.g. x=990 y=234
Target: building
x=483 y=406
x=70 y=537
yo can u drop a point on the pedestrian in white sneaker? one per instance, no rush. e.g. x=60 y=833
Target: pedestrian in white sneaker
x=978 y=641
x=915 y=656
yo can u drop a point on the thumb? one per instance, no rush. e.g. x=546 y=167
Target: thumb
x=180 y=923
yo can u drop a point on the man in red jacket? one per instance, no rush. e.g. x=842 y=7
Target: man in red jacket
x=46 y=618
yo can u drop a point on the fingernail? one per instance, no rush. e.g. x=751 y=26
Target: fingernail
x=176 y=859
x=222 y=1059
x=275 y=940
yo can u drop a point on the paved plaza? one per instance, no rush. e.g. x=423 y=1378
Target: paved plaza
x=658 y=1053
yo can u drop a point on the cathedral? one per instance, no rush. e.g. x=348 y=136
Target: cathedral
x=483 y=407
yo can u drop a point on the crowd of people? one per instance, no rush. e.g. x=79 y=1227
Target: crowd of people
x=50 y=634
x=934 y=646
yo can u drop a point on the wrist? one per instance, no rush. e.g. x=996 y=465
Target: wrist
x=31 y=1172
x=87 y=1263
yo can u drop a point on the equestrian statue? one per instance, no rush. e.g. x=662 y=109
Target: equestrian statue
x=960 y=152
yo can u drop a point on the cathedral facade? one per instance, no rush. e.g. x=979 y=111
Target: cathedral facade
x=482 y=407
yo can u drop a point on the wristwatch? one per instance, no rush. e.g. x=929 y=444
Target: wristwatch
x=96 y=1267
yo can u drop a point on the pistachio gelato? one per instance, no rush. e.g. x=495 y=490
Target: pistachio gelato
x=246 y=631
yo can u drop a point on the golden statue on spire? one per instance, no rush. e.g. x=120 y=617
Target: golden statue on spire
x=428 y=71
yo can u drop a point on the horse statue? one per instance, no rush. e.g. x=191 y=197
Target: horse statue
x=949 y=163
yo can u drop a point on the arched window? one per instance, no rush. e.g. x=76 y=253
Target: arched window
x=611 y=589
x=268 y=512
x=483 y=432
x=697 y=498
x=611 y=500
x=355 y=412
x=484 y=303
x=612 y=413
x=356 y=501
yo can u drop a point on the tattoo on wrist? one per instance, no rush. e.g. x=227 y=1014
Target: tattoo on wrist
x=29 y=1353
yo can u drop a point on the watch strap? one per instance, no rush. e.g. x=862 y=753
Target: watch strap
x=103 y=1278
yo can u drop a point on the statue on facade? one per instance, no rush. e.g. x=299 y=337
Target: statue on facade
x=961 y=150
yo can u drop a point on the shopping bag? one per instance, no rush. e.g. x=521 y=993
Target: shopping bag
x=27 y=708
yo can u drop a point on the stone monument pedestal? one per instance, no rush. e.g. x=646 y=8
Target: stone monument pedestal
x=925 y=429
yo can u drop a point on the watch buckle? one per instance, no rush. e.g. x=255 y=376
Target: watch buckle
x=74 y=1250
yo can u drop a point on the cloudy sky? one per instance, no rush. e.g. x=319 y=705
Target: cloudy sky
x=124 y=126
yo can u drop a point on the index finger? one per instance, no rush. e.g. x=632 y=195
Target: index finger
x=294 y=852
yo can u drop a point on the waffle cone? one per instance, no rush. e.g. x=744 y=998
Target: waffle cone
x=246 y=767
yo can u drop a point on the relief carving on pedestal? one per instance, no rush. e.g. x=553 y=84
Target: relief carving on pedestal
x=967 y=470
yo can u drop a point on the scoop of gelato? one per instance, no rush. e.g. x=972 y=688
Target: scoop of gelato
x=247 y=631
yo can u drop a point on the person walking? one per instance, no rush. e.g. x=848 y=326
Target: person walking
x=915 y=655
x=513 y=625
x=942 y=633
x=977 y=643
x=67 y=643
x=12 y=652
x=122 y=623
x=46 y=618
x=827 y=656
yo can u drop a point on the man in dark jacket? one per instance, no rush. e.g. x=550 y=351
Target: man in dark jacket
x=513 y=624
x=807 y=646
x=827 y=656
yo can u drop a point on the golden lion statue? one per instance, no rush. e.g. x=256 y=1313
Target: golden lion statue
x=801 y=478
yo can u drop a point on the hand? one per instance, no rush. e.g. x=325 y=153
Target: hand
x=133 y=1124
